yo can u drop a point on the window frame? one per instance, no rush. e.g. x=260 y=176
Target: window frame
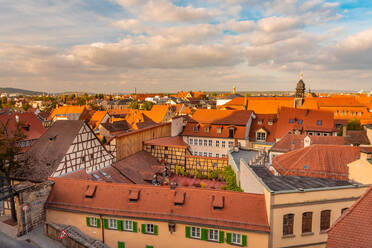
x=113 y=224
x=307 y=222
x=210 y=142
x=200 y=142
x=93 y=220
x=235 y=235
x=150 y=228
x=288 y=224
x=196 y=230
x=259 y=136
x=215 y=235
x=219 y=130
x=325 y=221
x=223 y=144
x=191 y=141
x=205 y=142
x=217 y=143
x=125 y=225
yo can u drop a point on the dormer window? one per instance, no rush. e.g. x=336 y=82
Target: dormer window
x=196 y=129
x=259 y=122
x=206 y=129
x=219 y=129
x=261 y=136
x=291 y=121
x=300 y=122
x=231 y=132
x=270 y=123
x=319 y=122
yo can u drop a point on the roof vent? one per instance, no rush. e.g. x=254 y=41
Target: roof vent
x=179 y=198
x=218 y=202
x=134 y=195
x=91 y=190
x=301 y=189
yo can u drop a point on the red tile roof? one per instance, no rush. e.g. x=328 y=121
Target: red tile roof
x=322 y=161
x=222 y=117
x=168 y=141
x=309 y=121
x=353 y=229
x=291 y=142
x=35 y=128
x=242 y=211
x=157 y=113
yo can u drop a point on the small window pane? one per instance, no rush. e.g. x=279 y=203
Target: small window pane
x=307 y=222
x=288 y=221
x=325 y=220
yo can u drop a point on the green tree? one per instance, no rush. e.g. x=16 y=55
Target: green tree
x=354 y=124
x=134 y=105
x=9 y=149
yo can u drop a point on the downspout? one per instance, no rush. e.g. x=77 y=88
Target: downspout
x=102 y=228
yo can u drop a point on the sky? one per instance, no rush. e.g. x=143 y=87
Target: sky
x=114 y=46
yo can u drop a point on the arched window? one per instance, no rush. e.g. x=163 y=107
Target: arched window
x=288 y=221
x=307 y=222
x=325 y=220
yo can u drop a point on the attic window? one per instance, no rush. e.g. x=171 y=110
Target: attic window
x=270 y=123
x=91 y=190
x=134 y=195
x=219 y=129
x=319 y=122
x=206 y=129
x=306 y=166
x=259 y=122
x=300 y=122
x=291 y=121
x=218 y=202
x=196 y=129
x=179 y=198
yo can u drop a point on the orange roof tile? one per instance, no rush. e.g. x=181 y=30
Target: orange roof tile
x=168 y=141
x=97 y=117
x=63 y=110
x=242 y=211
x=264 y=119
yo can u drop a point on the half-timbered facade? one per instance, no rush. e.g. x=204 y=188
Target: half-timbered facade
x=66 y=147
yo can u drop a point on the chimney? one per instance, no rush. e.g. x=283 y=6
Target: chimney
x=365 y=154
x=307 y=141
x=245 y=102
x=344 y=131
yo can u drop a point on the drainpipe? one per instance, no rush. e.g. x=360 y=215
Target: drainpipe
x=102 y=229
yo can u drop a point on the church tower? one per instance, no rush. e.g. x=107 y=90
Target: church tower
x=300 y=89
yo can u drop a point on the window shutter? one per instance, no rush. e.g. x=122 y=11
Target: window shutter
x=120 y=225
x=105 y=223
x=143 y=228
x=244 y=240
x=222 y=237
x=228 y=238
x=156 y=229
x=188 y=231
x=98 y=223
x=204 y=234
x=121 y=244
x=134 y=226
x=88 y=221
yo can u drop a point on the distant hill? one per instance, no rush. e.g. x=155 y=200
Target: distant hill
x=21 y=91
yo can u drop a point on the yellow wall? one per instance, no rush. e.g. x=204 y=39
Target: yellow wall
x=164 y=238
x=315 y=201
x=360 y=171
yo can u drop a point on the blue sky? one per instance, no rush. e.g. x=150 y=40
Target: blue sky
x=165 y=46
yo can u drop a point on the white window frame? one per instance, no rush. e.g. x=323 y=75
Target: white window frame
x=205 y=154
x=210 y=142
x=195 y=142
x=93 y=221
x=217 y=155
x=210 y=154
x=223 y=144
x=200 y=153
x=205 y=142
x=150 y=228
x=230 y=144
x=200 y=142
x=191 y=141
x=128 y=225
x=213 y=234
x=217 y=143
x=113 y=224
x=236 y=238
x=195 y=232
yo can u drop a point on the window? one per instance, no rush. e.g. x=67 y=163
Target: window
x=270 y=123
x=261 y=136
x=343 y=210
x=200 y=142
x=319 y=122
x=300 y=122
x=217 y=143
x=195 y=232
x=205 y=154
x=196 y=129
x=231 y=132
x=206 y=129
x=196 y=153
x=236 y=238
x=259 y=122
x=210 y=154
x=113 y=224
x=210 y=142
x=291 y=121
x=213 y=235
x=128 y=225
x=325 y=220
x=307 y=222
x=200 y=154
x=217 y=155
x=93 y=222
x=219 y=129
x=230 y=143
x=205 y=142
x=196 y=142
x=149 y=228
x=121 y=244
x=288 y=220
x=191 y=141
x=223 y=143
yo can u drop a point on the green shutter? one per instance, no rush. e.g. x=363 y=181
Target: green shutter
x=134 y=226
x=204 y=234
x=149 y=246
x=188 y=231
x=105 y=223
x=88 y=221
x=228 y=238
x=244 y=240
x=121 y=244
x=143 y=228
x=98 y=223
x=120 y=225
x=222 y=237
x=156 y=229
